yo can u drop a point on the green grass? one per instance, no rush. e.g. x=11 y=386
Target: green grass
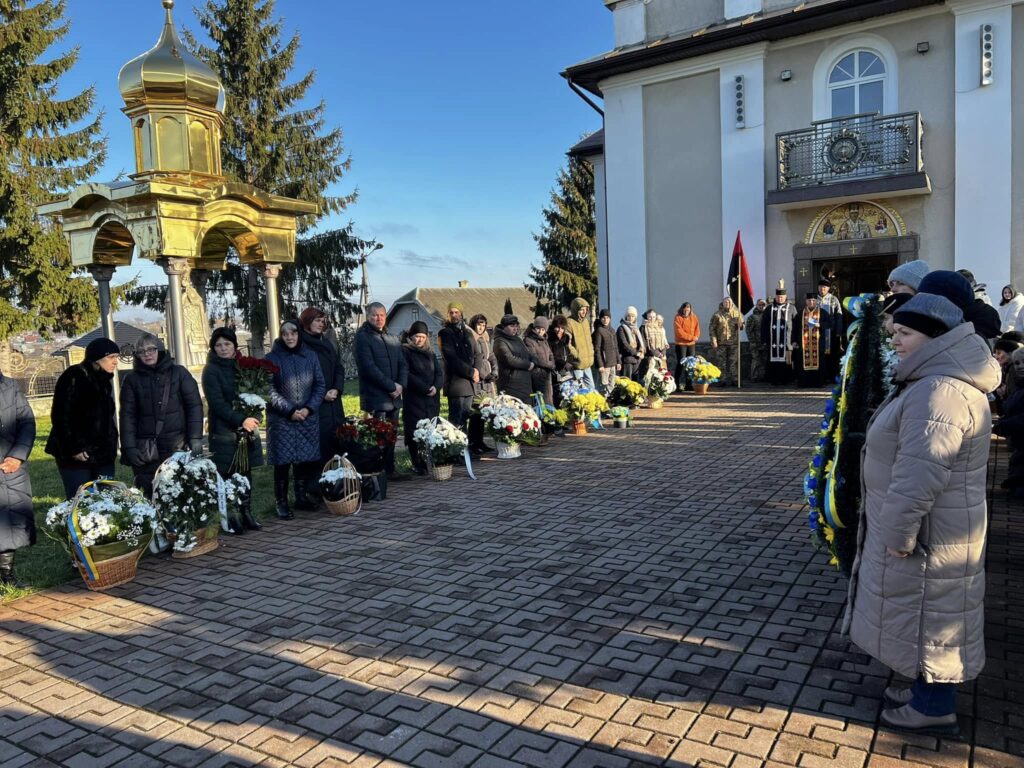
x=47 y=564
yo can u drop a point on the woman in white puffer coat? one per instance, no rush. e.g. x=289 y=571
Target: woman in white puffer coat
x=917 y=590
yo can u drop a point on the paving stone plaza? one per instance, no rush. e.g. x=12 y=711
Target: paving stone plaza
x=634 y=597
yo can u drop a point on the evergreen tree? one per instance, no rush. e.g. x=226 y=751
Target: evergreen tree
x=48 y=145
x=567 y=242
x=274 y=143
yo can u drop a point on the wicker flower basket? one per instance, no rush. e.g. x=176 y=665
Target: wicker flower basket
x=508 y=450
x=656 y=402
x=206 y=541
x=442 y=473
x=351 y=500
x=113 y=571
x=700 y=389
x=579 y=427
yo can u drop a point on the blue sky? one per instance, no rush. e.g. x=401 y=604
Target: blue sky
x=454 y=113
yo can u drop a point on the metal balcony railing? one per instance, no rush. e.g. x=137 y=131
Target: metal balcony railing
x=868 y=146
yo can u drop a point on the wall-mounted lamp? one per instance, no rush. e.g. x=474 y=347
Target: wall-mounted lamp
x=786 y=75
x=924 y=47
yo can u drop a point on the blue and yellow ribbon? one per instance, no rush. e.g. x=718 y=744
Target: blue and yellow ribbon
x=75 y=534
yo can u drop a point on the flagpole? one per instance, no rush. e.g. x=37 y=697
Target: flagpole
x=739 y=326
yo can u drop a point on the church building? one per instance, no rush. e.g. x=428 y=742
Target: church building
x=840 y=137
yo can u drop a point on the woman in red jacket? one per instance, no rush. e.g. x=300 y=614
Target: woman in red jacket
x=687 y=328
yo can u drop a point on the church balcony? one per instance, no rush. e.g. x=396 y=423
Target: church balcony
x=848 y=158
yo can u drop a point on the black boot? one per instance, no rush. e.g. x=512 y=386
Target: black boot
x=7 y=575
x=302 y=500
x=248 y=519
x=281 y=494
x=235 y=525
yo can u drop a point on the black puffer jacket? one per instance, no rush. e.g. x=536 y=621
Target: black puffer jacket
x=82 y=418
x=513 y=366
x=17 y=431
x=331 y=414
x=424 y=372
x=142 y=400
x=606 y=346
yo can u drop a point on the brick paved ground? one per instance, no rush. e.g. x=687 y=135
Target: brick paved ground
x=627 y=598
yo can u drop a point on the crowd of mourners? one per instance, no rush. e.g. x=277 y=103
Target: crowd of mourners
x=916 y=595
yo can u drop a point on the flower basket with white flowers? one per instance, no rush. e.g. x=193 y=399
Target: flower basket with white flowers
x=659 y=384
x=442 y=443
x=191 y=499
x=341 y=487
x=105 y=528
x=510 y=422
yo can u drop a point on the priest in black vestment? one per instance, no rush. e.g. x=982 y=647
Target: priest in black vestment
x=777 y=325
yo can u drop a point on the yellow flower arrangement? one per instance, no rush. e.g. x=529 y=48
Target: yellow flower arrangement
x=586 y=407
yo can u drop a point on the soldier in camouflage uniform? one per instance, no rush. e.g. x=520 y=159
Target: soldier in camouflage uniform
x=724 y=330
x=758 y=352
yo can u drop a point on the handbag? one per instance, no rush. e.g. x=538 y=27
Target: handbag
x=147 y=448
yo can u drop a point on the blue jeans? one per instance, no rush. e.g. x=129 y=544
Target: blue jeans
x=74 y=478
x=586 y=375
x=933 y=699
x=458 y=410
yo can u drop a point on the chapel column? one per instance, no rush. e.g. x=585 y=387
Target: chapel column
x=176 y=269
x=270 y=274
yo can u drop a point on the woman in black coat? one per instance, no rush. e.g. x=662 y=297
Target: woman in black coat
x=226 y=425
x=161 y=412
x=544 y=360
x=514 y=361
x=563 y=353
x=17 y=523
x=332 y=411
x=83 y=430
x=422 y=398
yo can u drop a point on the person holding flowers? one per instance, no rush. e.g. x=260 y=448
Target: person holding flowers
x=293 y=429
x=232 y=425
x=423 y=395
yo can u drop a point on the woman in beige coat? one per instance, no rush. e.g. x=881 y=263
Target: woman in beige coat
x=916 y=600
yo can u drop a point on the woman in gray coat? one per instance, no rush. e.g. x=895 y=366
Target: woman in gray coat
x=917 y=590
x=17 y=524
x=514 y=361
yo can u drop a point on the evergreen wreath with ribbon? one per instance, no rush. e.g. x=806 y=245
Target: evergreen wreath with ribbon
x=832 y=485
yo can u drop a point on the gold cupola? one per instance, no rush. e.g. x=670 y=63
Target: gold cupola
x=176 y=105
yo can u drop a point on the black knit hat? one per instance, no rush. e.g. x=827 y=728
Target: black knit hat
x=99 y=348
x=604 y=313
x=953 y=285
x=929 y=314
x=1007 y=346
x=418 y=327
x=223 y=333
x=1017 y=336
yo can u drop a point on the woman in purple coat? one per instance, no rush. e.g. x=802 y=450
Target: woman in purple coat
x=293 y=427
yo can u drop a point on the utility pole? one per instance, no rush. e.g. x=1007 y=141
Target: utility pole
x=364 y=288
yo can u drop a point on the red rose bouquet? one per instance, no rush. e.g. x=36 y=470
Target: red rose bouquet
x=253 y=380
x=368 y=432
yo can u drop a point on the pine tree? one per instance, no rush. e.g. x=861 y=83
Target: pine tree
x=273 y=142
x=48 y=145
x=567 y=242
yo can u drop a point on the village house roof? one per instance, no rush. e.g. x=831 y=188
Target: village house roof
x=125 y=336
x=589 y=145
x=808 y=17
x=475 y=301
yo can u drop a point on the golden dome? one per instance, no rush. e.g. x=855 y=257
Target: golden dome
x=169 y=73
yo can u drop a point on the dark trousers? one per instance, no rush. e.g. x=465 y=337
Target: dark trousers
x=418 y=462
x=76 y=477
x=303 y=473
x=683 y=351
x=144 y=477
x=389 y=452
x=630 y=367
x=933 y=699
x=458 y=410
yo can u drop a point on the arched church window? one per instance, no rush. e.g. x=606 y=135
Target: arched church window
x=856 y=84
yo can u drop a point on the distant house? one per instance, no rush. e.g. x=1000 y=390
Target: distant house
x=125 y=336
x=431 y=306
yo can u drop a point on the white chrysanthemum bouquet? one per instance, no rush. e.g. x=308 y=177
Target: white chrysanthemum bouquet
x=189 y=496
x=441 y=440
x=509 y=420
x=106 y=513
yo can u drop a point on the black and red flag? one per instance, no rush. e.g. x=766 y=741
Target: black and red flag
x=738 y=275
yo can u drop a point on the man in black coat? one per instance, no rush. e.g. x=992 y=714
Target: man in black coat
x=17 y=432
x=383 y=374
x=458 y=349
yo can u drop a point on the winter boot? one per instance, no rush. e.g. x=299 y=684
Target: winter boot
x=302 y=500
x=281 y=497
x=248 y=519
x=7 y=576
